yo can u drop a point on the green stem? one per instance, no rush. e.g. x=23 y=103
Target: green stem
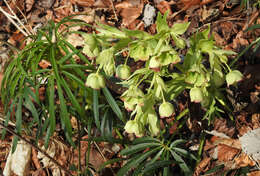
x=98 y=70
x=126 y=59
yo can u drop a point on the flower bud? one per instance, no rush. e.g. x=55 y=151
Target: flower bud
x=166 y=109
x=123 y=72
x=233 y=77
x=154 y=64
x=196 y=95
x=95 y=81
x=218 y=79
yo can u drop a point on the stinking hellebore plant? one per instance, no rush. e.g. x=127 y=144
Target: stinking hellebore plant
x=203 y=70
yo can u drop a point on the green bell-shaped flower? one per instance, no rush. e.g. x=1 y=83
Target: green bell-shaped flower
x=95 y=81
x=196 y=95
x=154 y=64
x=123 y=71
x=233 y=77
x=166 y=109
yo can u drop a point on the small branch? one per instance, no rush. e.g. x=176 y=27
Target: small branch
x=113 y=7
x=36 y=148
x=13 y=17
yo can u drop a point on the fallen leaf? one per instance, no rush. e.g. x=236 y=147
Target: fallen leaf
x=226 y=153
x=64 y=9
x=244 y=129
x=219 y=40
x=220 y=125
x=130 y=10
x=243 y=160
x=163 y=7
x=37 y=164
x=136 y=25
x=254 y=173
x=229 y=142
x=95 y=157
x=44 y=64
x=28 y=5
x=84 y=3
x=102 y=3
x=202 y=166
x=46 y=4
x=255 y=120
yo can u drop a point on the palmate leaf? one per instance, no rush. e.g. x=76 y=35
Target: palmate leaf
x=107 y=124
x=135 y=161
x=72 y=98
x=95 y=108
x=161 y=23
x=181 y=163
x=184 y=153
x=111 y=101
x=179 y=28
x=29 y=104
x=18 y=124
x=81 y=56
x=111 y=161
x=7 y=117
x=151 y=167
x=137 y=148
x=76 y=79
x=67 y=57
x=177 y=142
x=110 y=32
x=147 y=139
x=52 y=117
x=64 y=116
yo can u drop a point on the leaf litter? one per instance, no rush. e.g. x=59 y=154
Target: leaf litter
x=232 y=143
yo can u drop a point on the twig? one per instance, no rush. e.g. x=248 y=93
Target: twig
x=113 y=7
x=37 y=148
x=25 y=18
x=15 y=17
x=37 y=162
x=251 y=20
x=11 y=18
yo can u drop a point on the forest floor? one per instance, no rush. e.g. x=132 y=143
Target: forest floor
x=228 y=21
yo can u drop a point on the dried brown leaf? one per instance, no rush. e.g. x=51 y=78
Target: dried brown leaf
x=102 y=3
x=84 y=3
x=202 y=167
x=164 y=6
x=220 y=125
x=44 y=64
x=254 y=173
x=226 y=153
x=29 y=4
x=243 y=160
x=256 y=120
x=130 y=11
x=219 y=40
